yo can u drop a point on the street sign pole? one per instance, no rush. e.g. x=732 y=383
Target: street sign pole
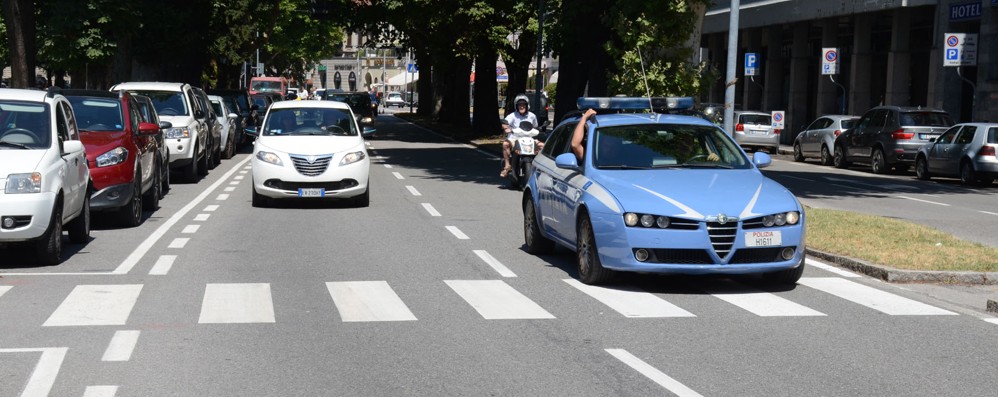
x=729 y=77
x=830 y=68
x=961 y=50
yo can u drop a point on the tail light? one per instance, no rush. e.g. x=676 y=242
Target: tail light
x=901 y=134
x=777 y=131
x=986 y=151
x=838 y=132
x=739 y=127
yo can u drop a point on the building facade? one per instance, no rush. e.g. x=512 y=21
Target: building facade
x=359 y=68
x=890 y=52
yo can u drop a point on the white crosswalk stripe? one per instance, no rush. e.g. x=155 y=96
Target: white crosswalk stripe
x=4 y=289
x=359 y=301
x=873 y=298
x=237 y=303
x=96 y=305
x=631 y=302
x=496 y=300
x=757 y=302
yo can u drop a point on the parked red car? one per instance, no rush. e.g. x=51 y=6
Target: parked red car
x=122 y=153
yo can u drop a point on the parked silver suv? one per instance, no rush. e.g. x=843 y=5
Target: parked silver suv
x=889 y=137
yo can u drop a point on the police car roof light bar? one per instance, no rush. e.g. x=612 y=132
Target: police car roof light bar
x=608 y=104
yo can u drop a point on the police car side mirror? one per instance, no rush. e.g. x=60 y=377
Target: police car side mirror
x=567 y=161
x=761 y=160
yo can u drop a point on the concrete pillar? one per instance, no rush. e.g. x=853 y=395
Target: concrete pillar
x=774 y=69
x=752 y=90
x=799 y=73
x=859 y=76
x=899 y=60
x=946 y=91
x=986 y=108
x=828 y=92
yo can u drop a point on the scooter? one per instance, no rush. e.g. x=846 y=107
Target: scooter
x=524 y=150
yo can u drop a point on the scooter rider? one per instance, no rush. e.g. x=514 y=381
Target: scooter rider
x=522 y=113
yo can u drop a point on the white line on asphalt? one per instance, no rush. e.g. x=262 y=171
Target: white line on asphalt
x=412 y=190
x=210 y=208
x=989 y=213
x=797 y=178
x=122 y=344
x=237 y=303
x=243 y=172
x=179 y=242
x=96 y=305
x=100 y=391
x=849 y=181
x=230 y=188
x=992 y=320
x=191 y=229
x=359 y=301
x=457 y=233
x=494 y=263
x=222 y=197
x=398 y=175
x=429 y=208
x=163 y=265
x=388 y=166
x=201 y=217
x=4 y=289
x=233 y=183
x=45 y=372
x=496 y=300
x=760 y=303
x=830 y=268
x=631 y=302
x=248 y=167
x=652 y=373
x=845 y=186
x=873 y=298
x=924 y=201
x=238 y=177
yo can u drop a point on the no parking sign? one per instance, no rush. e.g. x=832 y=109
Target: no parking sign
x=829 y=61
x=778 y=119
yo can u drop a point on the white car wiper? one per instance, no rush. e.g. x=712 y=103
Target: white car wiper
x=14 y=144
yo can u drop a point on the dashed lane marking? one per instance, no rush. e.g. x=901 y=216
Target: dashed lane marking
x=429 y=208
x=179 y=242
x=122 y=344
x=457 y=233
x=494 y=263
x=201 y=217
x=412 y=190
x=398 y=175
x=100 y=391
x=163 y=265
x=190 y=229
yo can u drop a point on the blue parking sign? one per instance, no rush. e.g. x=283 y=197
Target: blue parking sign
x=952 y=54
x=751 y=64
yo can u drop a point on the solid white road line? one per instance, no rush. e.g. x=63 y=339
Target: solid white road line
x=496 y=300
x=237 y=303
x=989 y=213
x=45 y=372
x=230 y=188
x=757 y=302
x=398 y=175
x=201 y=217
x=191 y=229
x=631 y=302
x=5 y=288
x=494 y=263
x=100 y=391
x=429 y=208
x=96 y=305
x=359 y=301
x=121 y=346
x=457 y=233
x=992 y=320
x=830 y=268
x=388 y=166
x=210 y=208
x=924 y=201
x=163 y=265
x=413 y=190
x=222 y=196
x=179 y=242
x=871 y=297
x=652 y=373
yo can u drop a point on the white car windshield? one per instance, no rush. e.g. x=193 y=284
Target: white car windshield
x=665 y=146
x=310 y=121
x=25 y=125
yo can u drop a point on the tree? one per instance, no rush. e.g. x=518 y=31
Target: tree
x=19 y=22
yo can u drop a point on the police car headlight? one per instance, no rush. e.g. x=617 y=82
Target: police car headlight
x=630 y=219
x=269 y=157
x=115 y=156
x=780 y=219
x=793 y=217
x=353 y=157
x=662 y=222
x=647 y=220
x=768 y=221
x=23 y=183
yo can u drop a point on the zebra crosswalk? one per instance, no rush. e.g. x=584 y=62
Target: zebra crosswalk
x=377 y=301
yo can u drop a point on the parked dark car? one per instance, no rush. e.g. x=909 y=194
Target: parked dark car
x=239 y=102
x=122 y=153
x=889 y=137
x=214 y=129
x=262 y=102
x=148 y=111
x=360 y=103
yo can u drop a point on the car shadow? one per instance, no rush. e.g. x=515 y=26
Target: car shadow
x=22 y=255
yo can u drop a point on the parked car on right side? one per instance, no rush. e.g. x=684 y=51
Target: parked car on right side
x=889 y=137
x=755 y=129
x=818 y=139
x=967 y=151
x=394 y=99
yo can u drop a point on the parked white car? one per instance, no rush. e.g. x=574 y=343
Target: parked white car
x=310 y=149
x=755 y=129
x=227 y=119
x=44 y=177
x=394 y=99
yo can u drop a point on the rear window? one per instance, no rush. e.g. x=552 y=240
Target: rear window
x=929 y=119
x=167 y=103
x=992 y=135
x=755 y=119
x=847 y=124
x=98 y=114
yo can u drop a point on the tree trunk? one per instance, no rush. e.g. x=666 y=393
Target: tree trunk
x=19 y=19
x=451 y=80
x=485 y=117
x=424 y=86
x=518 y=68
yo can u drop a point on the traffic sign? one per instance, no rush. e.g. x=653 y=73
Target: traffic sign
x=829 y=61
x=411 y=68
x=778 y=119
x=960 y=49
x=751 y=64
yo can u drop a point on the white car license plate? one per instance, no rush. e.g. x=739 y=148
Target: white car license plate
x=759 y=132
x=763 y=239
x=926 y=137
x=312 y=192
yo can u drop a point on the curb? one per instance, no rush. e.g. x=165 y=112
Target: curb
x=893 y=275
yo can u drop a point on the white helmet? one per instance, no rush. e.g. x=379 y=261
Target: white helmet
x=523 y=98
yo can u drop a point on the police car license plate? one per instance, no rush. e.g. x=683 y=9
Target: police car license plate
x=312 y=192
x=763 y=239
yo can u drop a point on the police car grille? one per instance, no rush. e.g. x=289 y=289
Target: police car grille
x=722 y=237
x=757 y=255
x=314 y=168
x=680 y=256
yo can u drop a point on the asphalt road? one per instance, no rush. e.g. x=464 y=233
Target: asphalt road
x=428 y=292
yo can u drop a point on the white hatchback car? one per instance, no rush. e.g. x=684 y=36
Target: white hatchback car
x=756 y=129
x=44 y=178
x=310 y=149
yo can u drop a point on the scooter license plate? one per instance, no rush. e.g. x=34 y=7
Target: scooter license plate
x=312 y=192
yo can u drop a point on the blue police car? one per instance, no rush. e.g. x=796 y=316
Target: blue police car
x=660 y=192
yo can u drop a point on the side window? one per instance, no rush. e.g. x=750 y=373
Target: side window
x=892 y=120
x=947 y=137
x=816 y=124
x=878 y=119
x=828 y=123
x=74 y=133
x=966 y=136
x=558 y=142
x=61 y=125
x=134 y=116
x=992 y=135
x=864 y=122
x=195 y=106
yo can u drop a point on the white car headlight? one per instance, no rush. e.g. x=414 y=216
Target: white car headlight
x=353 y=157
x=24 y=183
x=269 y=157
x=178 y=132
x=115 y=156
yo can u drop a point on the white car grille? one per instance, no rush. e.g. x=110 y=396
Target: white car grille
x=311 y=165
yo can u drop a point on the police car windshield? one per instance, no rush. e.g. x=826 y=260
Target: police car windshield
x=665 y=146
